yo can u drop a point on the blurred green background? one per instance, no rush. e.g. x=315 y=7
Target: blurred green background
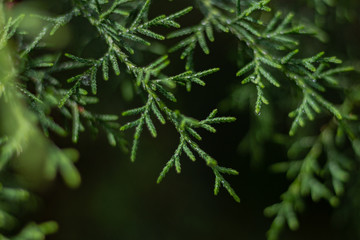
x=121 y=200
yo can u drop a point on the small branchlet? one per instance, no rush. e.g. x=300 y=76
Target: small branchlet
x=148 y=79
x=185 y=127
x=306 y=175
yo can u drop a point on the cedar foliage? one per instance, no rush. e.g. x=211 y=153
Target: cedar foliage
x=46 y=93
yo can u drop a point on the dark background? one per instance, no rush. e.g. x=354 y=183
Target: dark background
x=121 y=200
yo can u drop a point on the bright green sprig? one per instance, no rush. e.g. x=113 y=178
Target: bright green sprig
x=219 y=180
x=185 y=126
x=154 y=104
x=48 y=97
x=198 y=35
x=114 y=31
x=258 y=74
x=308 y=74
x=111 y=31
x=216 y=16
x=148 y=79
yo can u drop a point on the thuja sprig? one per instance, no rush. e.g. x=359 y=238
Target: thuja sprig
x=198 y=35
x=274 y=36
x=259 y=74
x=149 y=79
x=259 y=37
x=272 y=49
x=219 y=16
x=308 y=74
x=186 y=128
x=139 y=123
x=116 y=35
x=155 y=85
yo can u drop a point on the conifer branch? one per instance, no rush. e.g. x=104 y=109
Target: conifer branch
x=32 y=96
x=307 y=175
x=116 y=35
x=156 y=89
x=19 y=132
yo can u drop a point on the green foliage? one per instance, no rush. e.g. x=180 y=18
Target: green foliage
x=46 y=95
x=272 y=46
x=37 y=101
